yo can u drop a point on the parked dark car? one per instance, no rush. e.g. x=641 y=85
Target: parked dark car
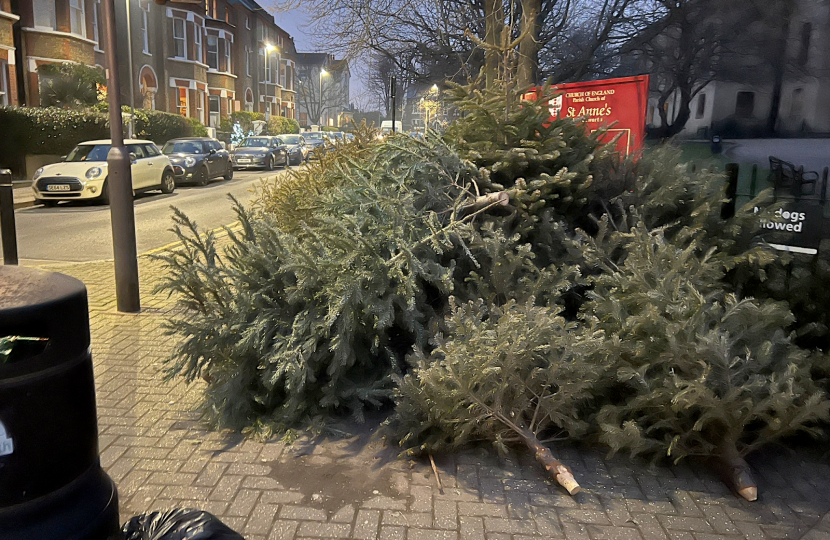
x=317 y=142
x=260 y=151
x=198 y=160
x=297 y=149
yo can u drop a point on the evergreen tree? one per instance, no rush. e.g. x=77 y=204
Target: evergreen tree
x=694 y=370
x=308 y=313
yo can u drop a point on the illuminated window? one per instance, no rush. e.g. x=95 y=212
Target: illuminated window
x=182 y=104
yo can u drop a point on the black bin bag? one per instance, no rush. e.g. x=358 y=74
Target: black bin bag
x=178 y=524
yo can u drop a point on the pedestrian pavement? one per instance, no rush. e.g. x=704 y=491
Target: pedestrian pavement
x=155 y=448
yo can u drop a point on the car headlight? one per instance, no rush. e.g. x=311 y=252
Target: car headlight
x=93 y=172
x=261 y=154
x=189 y=161
x=37 y=174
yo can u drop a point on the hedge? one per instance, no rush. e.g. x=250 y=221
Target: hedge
x=45 y=130
x=56 y=131
x=279 y=125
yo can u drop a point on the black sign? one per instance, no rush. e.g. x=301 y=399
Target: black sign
x=795 y=227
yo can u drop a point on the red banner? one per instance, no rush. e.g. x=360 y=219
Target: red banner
x=619 y=105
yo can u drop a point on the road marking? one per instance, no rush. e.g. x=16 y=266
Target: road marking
x=217 y=232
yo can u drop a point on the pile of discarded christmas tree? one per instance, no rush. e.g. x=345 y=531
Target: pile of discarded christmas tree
x=508 y=282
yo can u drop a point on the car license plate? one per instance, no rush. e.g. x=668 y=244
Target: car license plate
x=57 y=187
x=244 y=161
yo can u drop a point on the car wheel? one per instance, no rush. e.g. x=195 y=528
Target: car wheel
x=271 y=163
x=168 y=183
x=229 y=173
x=104 y=197
x=203 y=177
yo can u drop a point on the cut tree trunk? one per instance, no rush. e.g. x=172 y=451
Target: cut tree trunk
x=560 y=472
x=737 y=470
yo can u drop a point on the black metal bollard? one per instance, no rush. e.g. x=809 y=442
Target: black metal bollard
x=8 y=232
x=52 y=485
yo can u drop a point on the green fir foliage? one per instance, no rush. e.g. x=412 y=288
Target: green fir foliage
x=294 y=324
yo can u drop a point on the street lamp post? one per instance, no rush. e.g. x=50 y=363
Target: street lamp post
x=268 y=49
x=323 y=73
x=131 y=130
x=119 y=181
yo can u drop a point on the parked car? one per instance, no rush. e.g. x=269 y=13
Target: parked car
x=349 y=137
x=198 y=159
x=82 y=174
x=260 y=151
x=317 y=142
x=337 y=136
x=297 y=149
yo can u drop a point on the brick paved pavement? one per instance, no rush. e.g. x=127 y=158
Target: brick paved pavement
x=159 y=455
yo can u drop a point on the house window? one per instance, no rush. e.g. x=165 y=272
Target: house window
x=4 y=83
x=249 y=100
x=96 y=32
x=797 y=105
x=197 y=43
x=200 y=106
x=44 y=11
x=263 y=75
x=248 y=54
x=227 y=55
x=213 y=52
x=213 y=103
x=179 y=38
x=745 y=104
x=247 y=22
x=145 y=37
x=272 y=68
x=804 y=47
x=77 y=19
x=701 y=106
x=182 y=102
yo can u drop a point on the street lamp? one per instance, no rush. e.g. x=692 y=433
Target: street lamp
x=323 y=73
x=268 y=49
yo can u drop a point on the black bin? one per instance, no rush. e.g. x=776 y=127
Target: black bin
x=52 y=486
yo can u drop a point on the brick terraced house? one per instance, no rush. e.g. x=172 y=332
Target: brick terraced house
x=202 y=59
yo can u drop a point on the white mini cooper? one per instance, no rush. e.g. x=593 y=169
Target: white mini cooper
x=83 y=173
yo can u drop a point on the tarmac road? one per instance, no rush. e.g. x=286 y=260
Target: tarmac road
x=80 y=232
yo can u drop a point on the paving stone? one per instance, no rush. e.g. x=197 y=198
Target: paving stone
x=366 y=525
x=408 y=519
x=682 y=523
x=482 y=509
x=510 y=526
x=421 y=498
x=323 y=530
x=471 y=528
x=261 y=519
x=345 y=515
x=283 y=529
x=613 y=532
x=384 y=503
x=389 y=532
x=303 y=513
x=280 y=497
x=430 y=534
x=445 y=515
x=226 y=488
x=243 y=502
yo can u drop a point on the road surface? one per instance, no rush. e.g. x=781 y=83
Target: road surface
x=79 y=232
